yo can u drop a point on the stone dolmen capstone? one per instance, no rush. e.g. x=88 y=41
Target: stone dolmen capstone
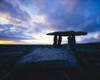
x=71 y=38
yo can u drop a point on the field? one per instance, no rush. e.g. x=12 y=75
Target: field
x=87 y=68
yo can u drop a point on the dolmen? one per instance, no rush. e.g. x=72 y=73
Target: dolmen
x=71 y=38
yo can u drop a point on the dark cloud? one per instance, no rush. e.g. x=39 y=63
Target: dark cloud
x=10 y=32
x=64 y=22
x=13 y=10
x=70 y=14
x=92 y=25
x=61 y=14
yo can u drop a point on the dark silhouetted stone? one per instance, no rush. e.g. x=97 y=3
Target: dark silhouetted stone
x=71 y=38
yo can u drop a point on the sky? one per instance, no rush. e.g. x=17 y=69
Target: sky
x=28 y=21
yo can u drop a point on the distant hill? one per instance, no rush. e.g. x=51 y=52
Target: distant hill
x=94 y=45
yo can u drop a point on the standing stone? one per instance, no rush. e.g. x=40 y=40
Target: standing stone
x=55 y=41
x=69 y=43
x=59 y=41
x=73 y=43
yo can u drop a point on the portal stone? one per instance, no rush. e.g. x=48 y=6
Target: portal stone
x=71 y=38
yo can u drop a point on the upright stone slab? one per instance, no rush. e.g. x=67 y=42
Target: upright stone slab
x=55 y=41
x=71 y=42
x=59 y=41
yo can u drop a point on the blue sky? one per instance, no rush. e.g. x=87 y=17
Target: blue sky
x=28 y=21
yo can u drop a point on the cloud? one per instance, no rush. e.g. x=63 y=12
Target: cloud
x=89 y=40
x=13 y=13
x=68 y=14
x=24 y=18
x=92 y=25
x=10 y=32
x=60 y=14
x=73 y=5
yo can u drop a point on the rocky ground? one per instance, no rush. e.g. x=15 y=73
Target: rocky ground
x=84 y=64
